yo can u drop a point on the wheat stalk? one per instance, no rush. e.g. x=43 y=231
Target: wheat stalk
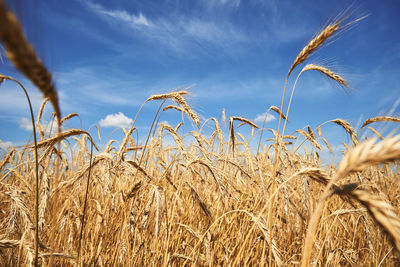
x=176 y=137
x=232 y=134
x=69 y=116
x=7 y=243
x=15 y=195
x=245 y=121
x=315 y=44
x=160 y=202
x=134 y=190
x=278 y=110
x=179 y=125
x=292 y=137
x=330 y=74
x=376 y=132
x=122 y=147
x=166 y=96
x=310 y=132
x=147 y=209
x=369 y=153
x=136 y=166
x=41 y=109
x=78 y=174
x=201 y=162
x=236 y=165
x=319 y=130
x=223 y=115
x=180 y=100
x=7 y=158
x=45 y=193
x=348 y=129
x=383 y=213
x=380 y=118
x=358 y=158
x=109 y=147
x=60 y=136
x=201 y=203
x=327 y=144
x=173 y=107
x=23 y=56
x=310 y=138
x=219 y=134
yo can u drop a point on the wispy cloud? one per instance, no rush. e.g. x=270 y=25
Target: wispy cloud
x=13 y=100
x=116 y=120
x=120 y=15
x=228 y=3
x=394 y=106
x=215 y=26
x=266 y=116
x=178 y=31
x=234 y=3
x=93 y=86
x=203 y=30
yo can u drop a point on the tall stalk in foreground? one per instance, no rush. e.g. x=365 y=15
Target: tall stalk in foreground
x=316 y=43
x=2 y=77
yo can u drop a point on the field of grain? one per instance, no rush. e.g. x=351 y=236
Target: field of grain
x=185 y=198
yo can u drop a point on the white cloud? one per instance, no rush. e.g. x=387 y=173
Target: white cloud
x=265 y=116
x=25 y=124
x=116 y=120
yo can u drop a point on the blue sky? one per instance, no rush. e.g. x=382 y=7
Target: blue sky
x=108 y=57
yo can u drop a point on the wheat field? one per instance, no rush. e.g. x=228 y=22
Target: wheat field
x=189 y=198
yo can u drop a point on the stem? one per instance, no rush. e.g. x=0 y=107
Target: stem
x=290 y=102
x=274 y=170
x=36 y=169
x=262 y=130
x=147 y=139
x=312 y=226
x=305 y=139
x=85 y=203
x=133 y=124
